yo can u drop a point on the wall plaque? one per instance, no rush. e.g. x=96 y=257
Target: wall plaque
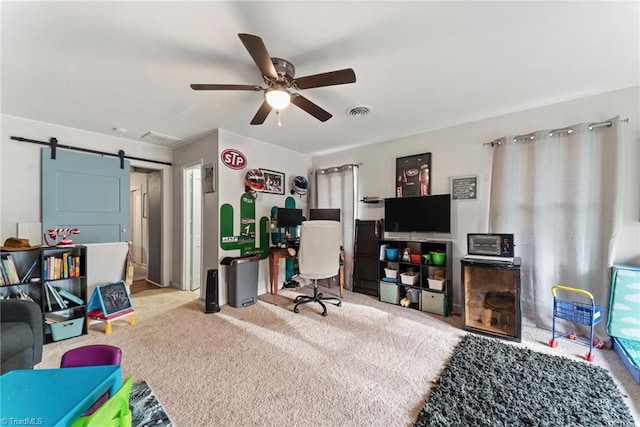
x=464 y=188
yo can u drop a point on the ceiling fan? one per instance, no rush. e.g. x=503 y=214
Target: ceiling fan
x=278 y=74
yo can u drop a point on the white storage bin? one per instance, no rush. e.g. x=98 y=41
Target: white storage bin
x=436 y=284
x=409 y=279
x=391 y=273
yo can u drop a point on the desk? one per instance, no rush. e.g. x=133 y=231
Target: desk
x=276 y=254
x=55 y=397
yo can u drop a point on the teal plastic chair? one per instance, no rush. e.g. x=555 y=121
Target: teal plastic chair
x=115 y=412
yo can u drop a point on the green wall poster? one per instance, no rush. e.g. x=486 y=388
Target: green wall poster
x=244 y=238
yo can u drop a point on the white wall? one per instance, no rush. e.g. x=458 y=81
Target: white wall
x=20 y=171
x=459 y=151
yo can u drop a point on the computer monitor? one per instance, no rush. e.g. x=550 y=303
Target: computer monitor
x=288 y=217
x=327 y=214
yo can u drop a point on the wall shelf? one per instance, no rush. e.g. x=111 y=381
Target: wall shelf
x=372 y=199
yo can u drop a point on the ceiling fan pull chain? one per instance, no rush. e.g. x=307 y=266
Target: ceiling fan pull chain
x=278 y=113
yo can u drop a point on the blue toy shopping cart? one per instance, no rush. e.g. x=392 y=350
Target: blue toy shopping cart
x=588 y=314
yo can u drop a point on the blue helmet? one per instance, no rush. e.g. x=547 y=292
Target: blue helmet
x=299 y=186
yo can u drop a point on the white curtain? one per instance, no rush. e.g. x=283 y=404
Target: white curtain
x=557 y=191
x=336 y=187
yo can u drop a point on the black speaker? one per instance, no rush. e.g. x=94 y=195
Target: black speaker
x=211 y=298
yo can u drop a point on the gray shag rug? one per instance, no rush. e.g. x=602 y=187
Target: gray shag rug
x=490 y=383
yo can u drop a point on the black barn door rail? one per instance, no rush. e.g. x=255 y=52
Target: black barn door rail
x=53 y=143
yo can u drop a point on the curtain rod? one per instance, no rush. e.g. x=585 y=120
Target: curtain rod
x=530 y=136
x=53 y=143
x=334 y=169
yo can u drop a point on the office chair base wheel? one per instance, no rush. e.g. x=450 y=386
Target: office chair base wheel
x=317 y=297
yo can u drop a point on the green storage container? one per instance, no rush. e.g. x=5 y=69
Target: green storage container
x=434 y=302
x=389 y=293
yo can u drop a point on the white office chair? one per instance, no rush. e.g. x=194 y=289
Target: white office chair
x=318 y=258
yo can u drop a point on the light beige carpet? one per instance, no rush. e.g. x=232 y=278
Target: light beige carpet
x=367 y=364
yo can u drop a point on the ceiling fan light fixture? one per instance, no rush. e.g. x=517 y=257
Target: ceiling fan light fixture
x=278 y=98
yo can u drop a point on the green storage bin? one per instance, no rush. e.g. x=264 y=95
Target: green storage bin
x=434 y=302
x=389 y=293
x=66 y=329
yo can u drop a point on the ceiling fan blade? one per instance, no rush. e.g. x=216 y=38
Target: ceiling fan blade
x=258 y=52
x=331 y=78
x=311 y=108
x=262 y=114
x=224 y=87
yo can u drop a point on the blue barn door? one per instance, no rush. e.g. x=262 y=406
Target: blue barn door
x=86 y=191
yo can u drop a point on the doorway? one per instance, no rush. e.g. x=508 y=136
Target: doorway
x=192 y=243
x=138 y=223
x=146 y=224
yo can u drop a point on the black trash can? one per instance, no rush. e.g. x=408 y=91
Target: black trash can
x=242 y=280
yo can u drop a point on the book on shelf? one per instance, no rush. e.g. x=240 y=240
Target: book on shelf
x=65 y=265
x=51 y=318
x=56 y=296
x=47 y=297
x=3 y=274
x=25 y=296
x=10 y=271
x=45 y=269
x=68 y=295
x=29 y=271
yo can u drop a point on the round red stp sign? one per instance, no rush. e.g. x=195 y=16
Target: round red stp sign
x=233 y=159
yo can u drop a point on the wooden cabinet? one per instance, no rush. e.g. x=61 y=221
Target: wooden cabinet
x=416 y=274
x=366 y=250
x=55 y=279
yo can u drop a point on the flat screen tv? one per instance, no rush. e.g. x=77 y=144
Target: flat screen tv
x=422 y=214
x=288 y=217
x=327 y=214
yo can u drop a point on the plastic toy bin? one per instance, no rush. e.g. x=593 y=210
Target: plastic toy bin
x=578 y=312
x=66 y=329
x=391 y=273
x=409 y=279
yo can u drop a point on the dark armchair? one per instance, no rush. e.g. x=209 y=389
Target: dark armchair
x=20 y=334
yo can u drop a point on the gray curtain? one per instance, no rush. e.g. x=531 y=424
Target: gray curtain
x=336 y=187
x=557 y=191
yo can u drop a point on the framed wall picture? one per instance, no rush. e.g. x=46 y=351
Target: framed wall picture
x=208 y=180
x=464 y=188
x=413 y=175
x=273 y=181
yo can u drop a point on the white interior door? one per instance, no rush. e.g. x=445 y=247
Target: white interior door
x=192 y=250
x=196 y=227
x=136 y=224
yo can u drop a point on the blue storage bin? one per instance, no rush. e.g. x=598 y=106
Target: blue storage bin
x=67 y=329
x=392 y=253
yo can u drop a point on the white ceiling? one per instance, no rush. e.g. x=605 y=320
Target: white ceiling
x=419 y=65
